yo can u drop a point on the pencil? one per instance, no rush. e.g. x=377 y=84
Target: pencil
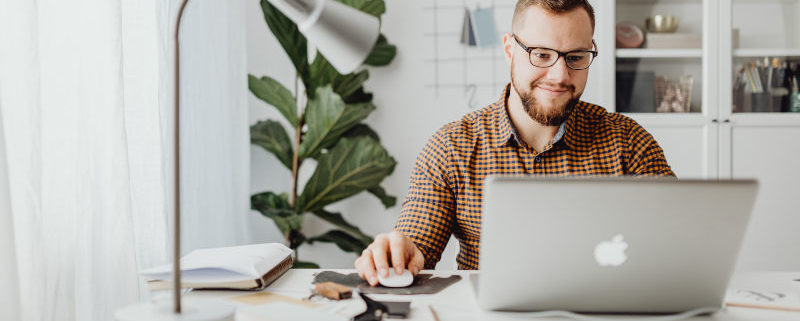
x=433 y=313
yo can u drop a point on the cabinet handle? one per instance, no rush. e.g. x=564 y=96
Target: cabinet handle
x=726 y=121
x=715 y=120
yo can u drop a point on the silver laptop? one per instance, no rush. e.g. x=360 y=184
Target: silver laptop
x=609 y=245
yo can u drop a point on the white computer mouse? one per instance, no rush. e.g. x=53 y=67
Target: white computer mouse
x=395 y=280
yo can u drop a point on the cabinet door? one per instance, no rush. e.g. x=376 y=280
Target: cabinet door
x=689 y=146
x=770 y=154
x=667 y=83
x=760 y=125
x=666 y=71
x=764 y=62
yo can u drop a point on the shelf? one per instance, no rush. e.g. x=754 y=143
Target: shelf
x=659 y=53
x=670 y=119
x=794 y=52
x=696 y=119
x=634 y=2
x=765 y=119
x=763 y=1
x=698 y=53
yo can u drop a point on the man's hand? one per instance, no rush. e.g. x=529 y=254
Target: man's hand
x=393 y=246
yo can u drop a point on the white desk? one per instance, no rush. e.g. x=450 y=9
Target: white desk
x=457 y=302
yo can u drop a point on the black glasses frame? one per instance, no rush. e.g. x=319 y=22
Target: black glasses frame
x=560 y=54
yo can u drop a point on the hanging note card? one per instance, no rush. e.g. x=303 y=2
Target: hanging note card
x=484 y=26
x=465 y=28
x=468 y=31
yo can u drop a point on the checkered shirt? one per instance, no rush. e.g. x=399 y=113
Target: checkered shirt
x=446 y=186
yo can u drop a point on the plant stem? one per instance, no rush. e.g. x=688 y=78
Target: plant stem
x=296 y=155
x=296 y=162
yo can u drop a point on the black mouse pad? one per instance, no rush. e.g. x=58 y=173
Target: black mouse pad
x=423 y=283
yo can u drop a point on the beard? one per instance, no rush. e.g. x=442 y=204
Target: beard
x=542 y=115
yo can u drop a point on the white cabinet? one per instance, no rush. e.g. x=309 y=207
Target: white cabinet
x=743 y=119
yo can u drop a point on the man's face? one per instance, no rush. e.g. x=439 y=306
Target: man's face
x=548 y=94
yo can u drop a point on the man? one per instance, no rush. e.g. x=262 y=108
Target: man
x=537 y=127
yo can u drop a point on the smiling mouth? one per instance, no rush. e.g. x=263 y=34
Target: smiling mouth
x=555 y=91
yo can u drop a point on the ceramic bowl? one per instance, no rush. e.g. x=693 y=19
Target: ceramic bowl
x=661 y=23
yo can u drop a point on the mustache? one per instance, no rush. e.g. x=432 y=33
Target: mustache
x=553 y=85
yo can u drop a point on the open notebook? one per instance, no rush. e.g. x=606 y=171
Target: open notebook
x=245 y=267
x=765 y=290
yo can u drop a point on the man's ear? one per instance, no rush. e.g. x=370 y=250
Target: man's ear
x=508 y=48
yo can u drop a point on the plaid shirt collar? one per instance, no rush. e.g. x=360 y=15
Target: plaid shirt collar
x=508 y=133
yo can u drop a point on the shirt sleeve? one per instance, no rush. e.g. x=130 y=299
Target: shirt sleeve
x=428 y=210
x=646 y=158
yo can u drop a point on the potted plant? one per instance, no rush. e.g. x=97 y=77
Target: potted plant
x=349 y=156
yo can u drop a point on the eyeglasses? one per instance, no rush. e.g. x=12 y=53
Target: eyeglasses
x=545 y=57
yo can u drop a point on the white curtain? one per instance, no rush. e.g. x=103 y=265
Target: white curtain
x=86 y=105
x=9 y=292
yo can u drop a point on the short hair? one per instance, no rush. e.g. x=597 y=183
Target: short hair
x=552 y=6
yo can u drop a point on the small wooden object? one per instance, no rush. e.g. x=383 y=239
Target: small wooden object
x=333 y=291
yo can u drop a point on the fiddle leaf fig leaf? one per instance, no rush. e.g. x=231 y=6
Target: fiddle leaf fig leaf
x=348 y=84
x=322 y=73
x=382 y=54
x=305 y=265
x=354 y=3
x=276 y=207
x=290 y=38
x=339 y=221
x=270 y=135
x=344 y=241
x=362 y=130
x=275 y=94
x=374 y=7
x=360 y=96
x=387 y=200
x=327 y=118
x=350 y=167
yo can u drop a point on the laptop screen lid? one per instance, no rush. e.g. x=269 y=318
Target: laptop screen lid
x=616 y=244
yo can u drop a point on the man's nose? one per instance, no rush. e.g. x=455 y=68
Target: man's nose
x=559 y=72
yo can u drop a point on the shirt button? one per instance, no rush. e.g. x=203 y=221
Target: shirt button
x=537 y=159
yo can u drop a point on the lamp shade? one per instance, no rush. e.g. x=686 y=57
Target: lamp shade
x=343 y=34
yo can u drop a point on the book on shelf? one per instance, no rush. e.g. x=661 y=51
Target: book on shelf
x=244 y=267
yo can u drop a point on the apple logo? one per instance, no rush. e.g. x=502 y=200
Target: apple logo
x=611 y=253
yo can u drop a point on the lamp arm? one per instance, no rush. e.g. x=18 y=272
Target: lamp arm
x=176 y=250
